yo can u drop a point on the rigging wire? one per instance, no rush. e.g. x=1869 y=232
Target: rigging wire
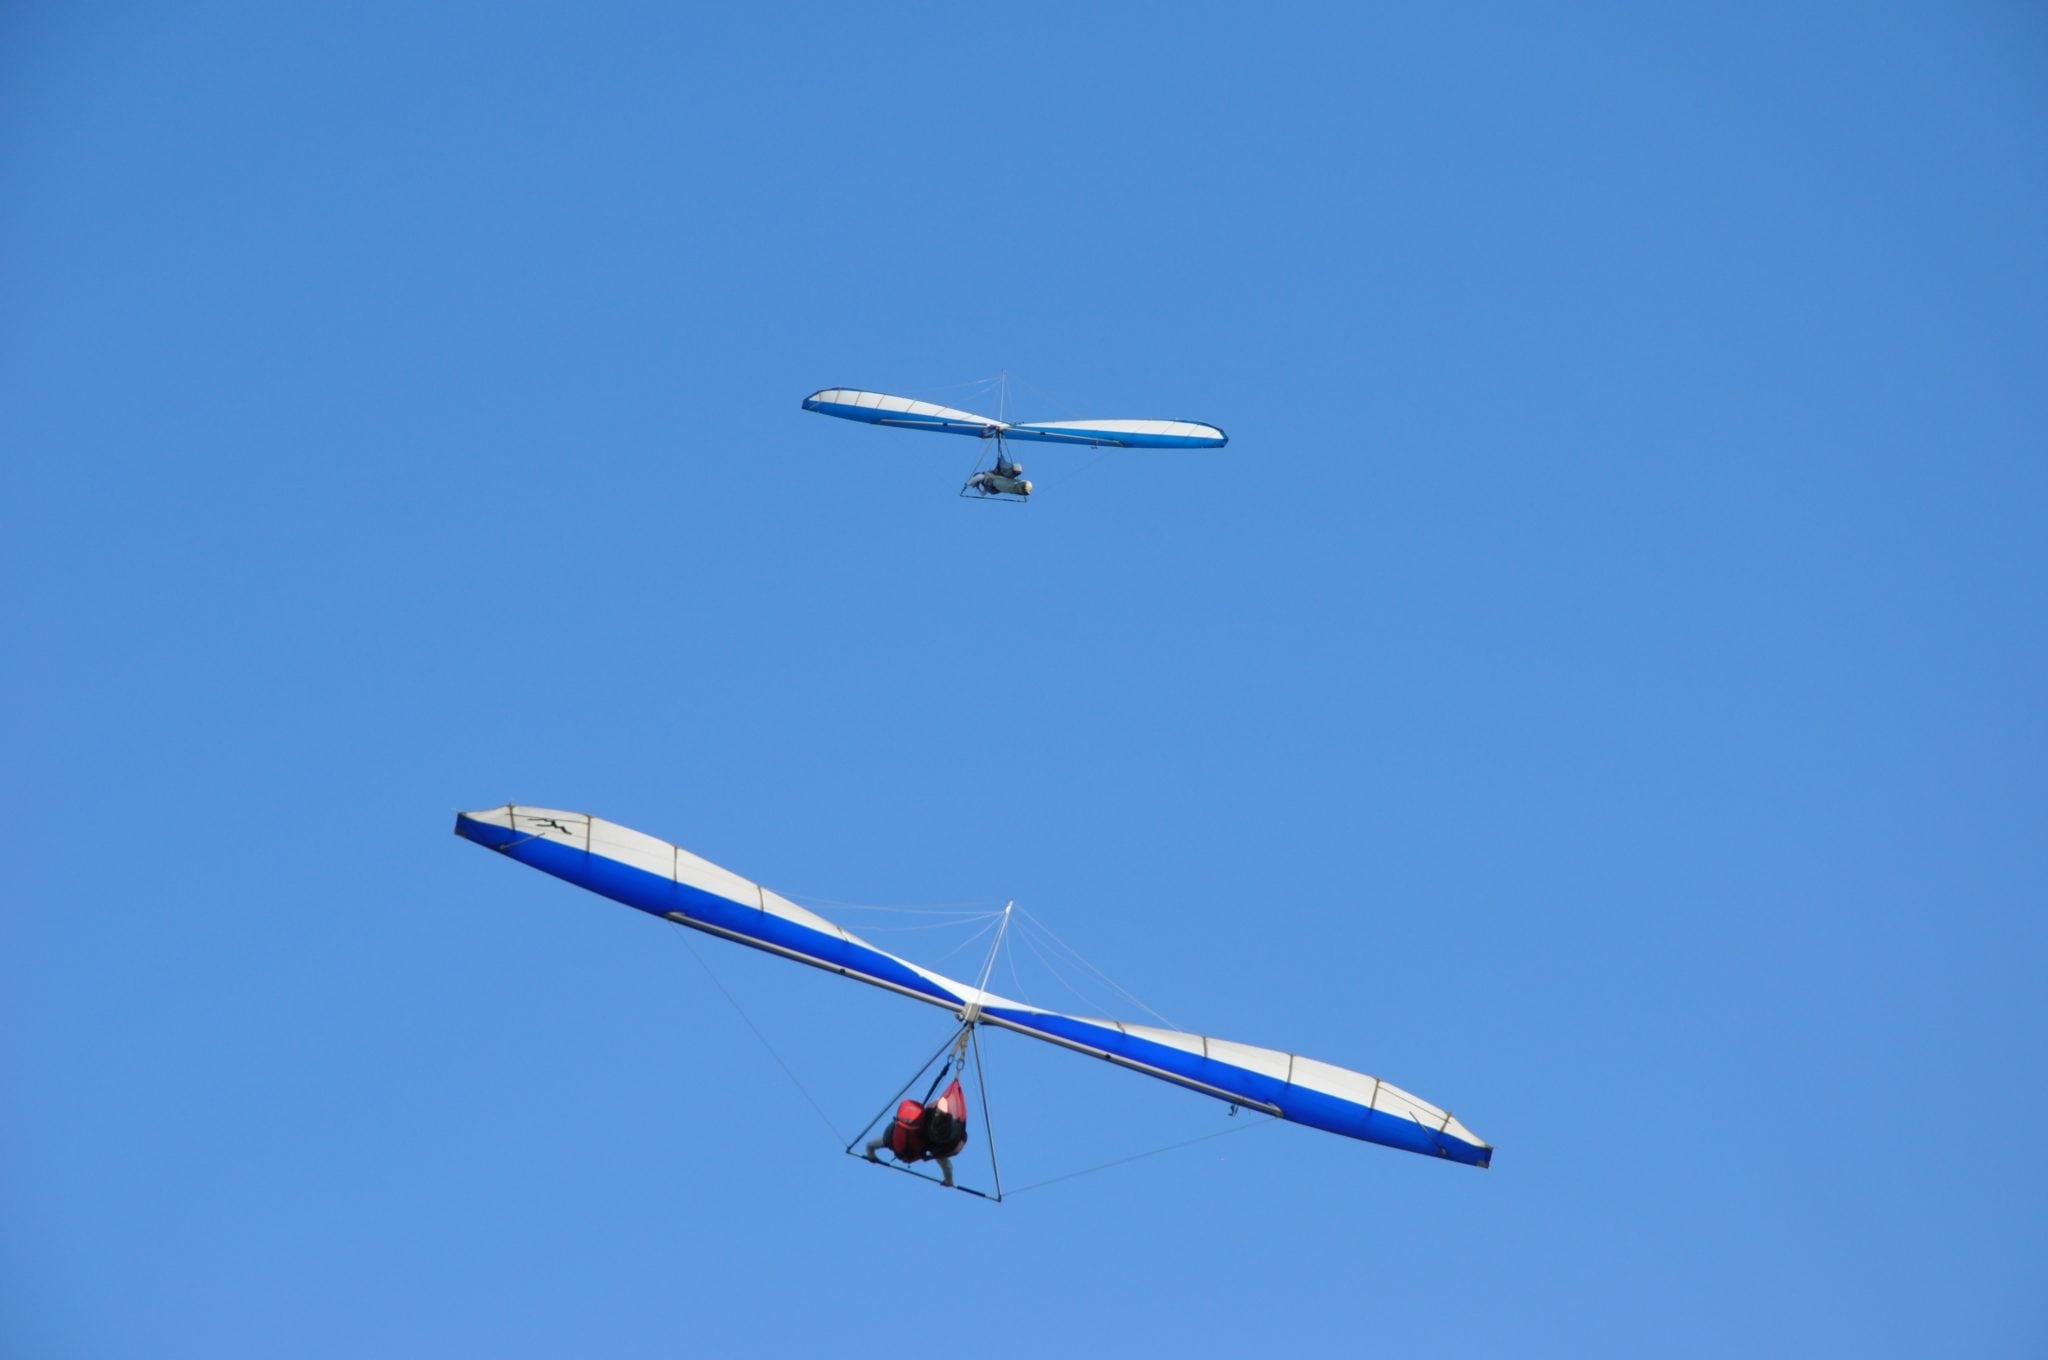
x=1087 y=1002
x=970 y=906
x=1016 y=982
x=1053 y=407
x=976 y=383
x=931 y=925
x=971 y=939
x=682 y=935
x=1259 y=1123
x=1077 y=956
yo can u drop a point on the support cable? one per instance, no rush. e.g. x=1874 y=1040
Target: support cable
x=1141 y=1156
x=973 y=1011
x=740 y=1011
x=979 y=906
x=971 y=939
x=1076 y=954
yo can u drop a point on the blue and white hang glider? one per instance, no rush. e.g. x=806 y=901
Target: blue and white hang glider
x=667 y=881
x=1006 y=478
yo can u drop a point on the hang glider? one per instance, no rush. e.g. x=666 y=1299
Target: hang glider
x=667 y=881
x=1006 y=477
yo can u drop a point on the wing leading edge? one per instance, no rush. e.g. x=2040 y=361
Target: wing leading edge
x=665 y=880
x=1124 y=434
x=879 y=408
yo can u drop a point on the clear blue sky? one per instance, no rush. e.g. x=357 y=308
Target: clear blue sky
x=1599 y=688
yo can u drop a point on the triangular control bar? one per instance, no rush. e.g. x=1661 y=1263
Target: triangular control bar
x=955 y=1053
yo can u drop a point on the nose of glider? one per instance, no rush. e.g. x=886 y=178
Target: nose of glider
x=490 y=828
x=510 y=824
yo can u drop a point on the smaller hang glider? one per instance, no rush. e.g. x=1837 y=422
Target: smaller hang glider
x=1004 y=478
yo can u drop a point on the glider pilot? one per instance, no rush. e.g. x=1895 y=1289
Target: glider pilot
x=937 y=1130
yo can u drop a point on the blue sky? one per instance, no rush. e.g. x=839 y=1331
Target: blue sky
x=1597 y=689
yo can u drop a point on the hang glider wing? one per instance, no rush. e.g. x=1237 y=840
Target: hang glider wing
x=879 y=408
x=667 y=881
x=1124 y=434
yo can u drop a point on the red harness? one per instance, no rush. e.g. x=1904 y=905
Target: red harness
x=910 y=1136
